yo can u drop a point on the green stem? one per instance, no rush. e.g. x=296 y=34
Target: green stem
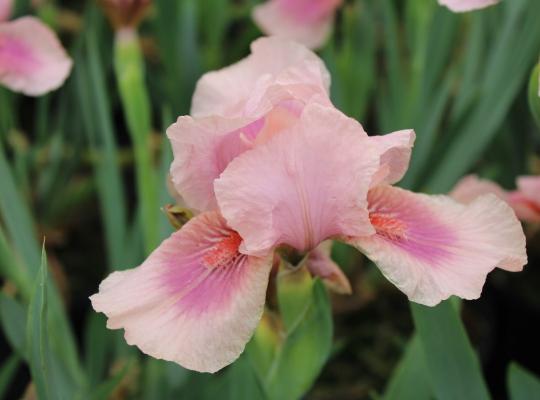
x=129 y=68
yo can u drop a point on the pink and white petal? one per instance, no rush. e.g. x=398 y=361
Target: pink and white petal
x=432 y=247
x=195 y=301
x=319 y=263
x=272 y=60
x=273 y=20
x=471 y=187
x=529 y=186
x=5 y=9
x=32 y=60
x=395 y=149
x=467 y=5
x=292 y=190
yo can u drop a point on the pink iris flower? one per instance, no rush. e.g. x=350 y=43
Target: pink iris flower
x=305 y=21
x=271 y=164
x=525 y=200
x=467 y=5
x=32 y=60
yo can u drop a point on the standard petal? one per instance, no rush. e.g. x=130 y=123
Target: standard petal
x=32 y=60
x=395 y=149
x=273 y=61
x=319 y=263
x=471 y=187
x=308 y=25
x=195 y=301
x=303 y=186
x=202 y=149
x=5 y=9
x=432 y=247
x=467 y=5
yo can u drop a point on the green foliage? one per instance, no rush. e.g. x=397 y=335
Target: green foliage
x=452 y=364
x=289 y=354
x=522 y=384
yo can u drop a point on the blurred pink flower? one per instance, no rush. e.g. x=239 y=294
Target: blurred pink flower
x=305 y=21
x=467 y=5
x=273 y=165
x=32 y=60
x=525 y=201
x=5 y=9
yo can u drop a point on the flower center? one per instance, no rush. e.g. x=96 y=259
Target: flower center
x=223 y=253
x=390 y=228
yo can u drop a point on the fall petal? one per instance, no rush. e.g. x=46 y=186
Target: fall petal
x=195 y=300
x=432 y=247
x=292 y=190
x=32 y=60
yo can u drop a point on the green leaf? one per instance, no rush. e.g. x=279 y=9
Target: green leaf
x=410 y=380
x=13 y=320
x=451 y=362
x=105 y=389
x=304 y=351
x=534 y=94
x=96 y=347
x=7 y=373
x=53 y=380
x=36 y=334
x=294 y=290
x=522 y=384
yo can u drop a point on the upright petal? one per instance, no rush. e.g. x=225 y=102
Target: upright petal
x=467 y=5
x=195 y=301
x=432 y=247
x=202 y=149
x=5 y=9
x=273 y=62
x=471 y=187
x=320 y=264
x=395 y=149
x=32 y=60
x=303 y=186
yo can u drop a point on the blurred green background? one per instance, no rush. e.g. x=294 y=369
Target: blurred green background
x=85 y=168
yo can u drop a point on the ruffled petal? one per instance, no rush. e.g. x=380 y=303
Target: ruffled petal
x=195 y=301
x=32 y=60
x=273 y=62
x=471 y=187
x=395 y=149
x=303 y=186
x=467 y=5
x=320 y=264
x=5 y=9
x=432 y=247
x=310 y=25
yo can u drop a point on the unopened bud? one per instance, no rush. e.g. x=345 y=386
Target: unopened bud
x=125 y=13
x=178 y=216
